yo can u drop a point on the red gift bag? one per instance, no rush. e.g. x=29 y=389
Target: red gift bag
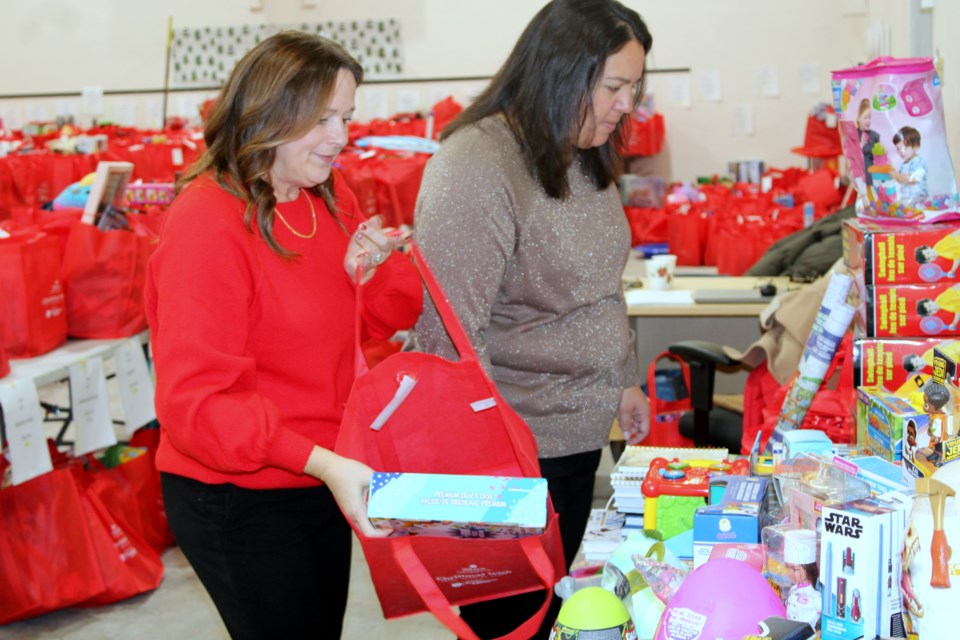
x=127 y=564
x=4 y=359
x=104 y=273
x=647 y=226
x=453 y=421
x=665 y=414
x=48 y=559
x=397 y=180
x=145 y=503
x=34 y=307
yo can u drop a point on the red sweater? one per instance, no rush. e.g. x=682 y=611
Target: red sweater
x=253 y=353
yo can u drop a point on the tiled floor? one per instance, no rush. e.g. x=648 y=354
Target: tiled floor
x=180 y=608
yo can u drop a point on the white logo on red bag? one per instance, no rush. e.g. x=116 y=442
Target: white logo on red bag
x=472 y=575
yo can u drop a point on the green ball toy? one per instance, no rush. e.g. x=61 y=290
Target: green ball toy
x=593 y=613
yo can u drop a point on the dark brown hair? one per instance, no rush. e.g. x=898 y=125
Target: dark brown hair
x=544 y=88
x=909 y=136
x=275 y=94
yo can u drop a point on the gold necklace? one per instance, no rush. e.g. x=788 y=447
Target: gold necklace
x=313 y=216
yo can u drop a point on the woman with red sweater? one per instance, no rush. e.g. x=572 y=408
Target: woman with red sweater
x=251 y=306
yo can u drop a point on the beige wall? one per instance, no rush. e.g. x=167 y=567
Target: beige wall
x=64 y=45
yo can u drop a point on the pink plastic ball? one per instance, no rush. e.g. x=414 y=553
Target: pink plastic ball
x=723 y=599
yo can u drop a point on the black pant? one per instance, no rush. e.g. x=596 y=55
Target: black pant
x=570 y=481
x=276 y=562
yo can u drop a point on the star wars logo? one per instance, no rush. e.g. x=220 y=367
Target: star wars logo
x=843 y=525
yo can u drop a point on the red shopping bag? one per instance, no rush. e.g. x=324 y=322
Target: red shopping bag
x=48 y=558
x=140 y=478
x=397 y=180
x=104 y=273
x=832 y=409
x=647 y=225
x=453 y=421
x=4 y=359
x=667 y=402
x=127 y=564
x=33 y=309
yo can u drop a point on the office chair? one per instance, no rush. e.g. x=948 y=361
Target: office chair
x=707 y=425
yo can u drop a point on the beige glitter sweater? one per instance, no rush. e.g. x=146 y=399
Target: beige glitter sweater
x=535 y=281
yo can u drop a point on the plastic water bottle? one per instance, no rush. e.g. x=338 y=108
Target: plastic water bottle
x=807 y=214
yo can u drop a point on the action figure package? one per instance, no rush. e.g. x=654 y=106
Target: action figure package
x=887 y=253
x=894 y=139
x=884 y=421
x=933 y=441
x=860 y=568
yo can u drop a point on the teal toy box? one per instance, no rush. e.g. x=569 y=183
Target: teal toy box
x=458 y=506
x=735 y=519
x=882 y=422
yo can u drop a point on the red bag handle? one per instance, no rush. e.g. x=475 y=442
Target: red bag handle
x=440 y=607
x=527 y=459
x=658 y=406
x=450 y=321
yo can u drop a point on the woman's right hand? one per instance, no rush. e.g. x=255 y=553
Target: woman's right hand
x=349 y=482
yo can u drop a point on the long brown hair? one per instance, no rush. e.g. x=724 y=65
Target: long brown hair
x=275 y=94
x=544 y=88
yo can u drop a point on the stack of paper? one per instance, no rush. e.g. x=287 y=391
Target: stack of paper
x=603 y=535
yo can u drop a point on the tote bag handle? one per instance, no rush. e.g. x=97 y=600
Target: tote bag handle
x=447 y=315
x=458 y=336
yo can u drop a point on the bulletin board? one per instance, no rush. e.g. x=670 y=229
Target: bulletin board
x=204 y=56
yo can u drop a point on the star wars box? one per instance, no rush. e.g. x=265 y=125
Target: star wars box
x=909 y=310
x=900 y=254
x=458 y=506
x=860 y=568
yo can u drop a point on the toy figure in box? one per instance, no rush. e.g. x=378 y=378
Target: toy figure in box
x=910 y=440
x=800 y=556
x=935 y=396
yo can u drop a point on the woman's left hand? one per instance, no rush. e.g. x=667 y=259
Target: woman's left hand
x=370 y=247
x=634 y=415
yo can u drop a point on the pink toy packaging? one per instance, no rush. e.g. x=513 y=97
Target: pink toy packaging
x=894 y=139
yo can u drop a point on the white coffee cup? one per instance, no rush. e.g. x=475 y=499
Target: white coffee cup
x=660 y=270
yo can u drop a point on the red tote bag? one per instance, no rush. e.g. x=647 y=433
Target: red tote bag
x=104 y=273
x=665 y=414
x=453 y=422
x=48 y=559
x=33 y=309
x=127 y=564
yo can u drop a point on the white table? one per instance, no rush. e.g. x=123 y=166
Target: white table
x=733 y=324
x=54 y=366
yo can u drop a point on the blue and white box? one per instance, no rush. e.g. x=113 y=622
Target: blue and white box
x=458 y=506
x=735 y=519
